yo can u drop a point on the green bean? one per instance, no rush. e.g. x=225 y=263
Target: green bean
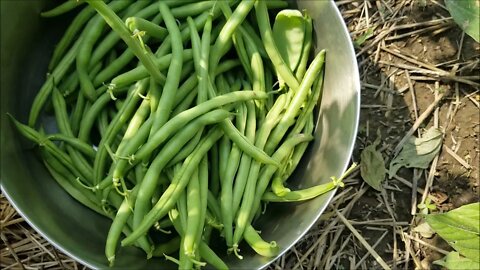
x=203 y=179
x=213 y=205
x=61 y=9
x=257 y=71
x=237 y=39
x=91 y=115
x=68 y=85
x=138 y=118
x=118 y=225
x=212 y=221
x=141 y=72
x=270 y=47
x=187 y=149
x=176 y=123
x=185 y=103
x=74 y=142
x=154 y=95
x=190 y=243
x=302 y=195
x=258 y=244
x=56 y=75
x=147 y=59
x=102 y=123
x=226 y=65
x=256 y=39
x=77 y=113
x=221 y=43
x=177 y=186
x=92 y=33
x=200 y=21
x=72 y=30
x=168 y=247
x=214 y=181
x=185 y=89
x=136 y=24
x=280 y=154
x=119 y=63
x=245 y=145
x=38 y=138
x=250 y=200
x=224 y=148
x=167 y=152
x=173 y=80
x=307 y=46
x=113 y=68
x=298 y=99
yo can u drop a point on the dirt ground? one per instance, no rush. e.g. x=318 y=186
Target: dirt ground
x=418 y=69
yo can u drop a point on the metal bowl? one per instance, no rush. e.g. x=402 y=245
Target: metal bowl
x=27 y=42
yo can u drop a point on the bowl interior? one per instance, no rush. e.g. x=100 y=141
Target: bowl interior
x=26 y=46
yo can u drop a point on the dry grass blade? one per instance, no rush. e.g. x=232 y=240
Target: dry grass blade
x=363 y=241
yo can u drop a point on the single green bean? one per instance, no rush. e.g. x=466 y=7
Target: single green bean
x=56 y=75
x=168 y=247
x=186 y=103
x=72 y=30
x=92 y=33
x=74 y=142
x=78 y=112
x=175 y=68
x=91 y=115
x=185 y=89
x=302 y=195
x=259 y=245
x=102 y=123
x=61 y=9
x=190 y=243
x=307 y=46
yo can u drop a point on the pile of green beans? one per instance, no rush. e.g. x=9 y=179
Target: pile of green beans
x=170 y=121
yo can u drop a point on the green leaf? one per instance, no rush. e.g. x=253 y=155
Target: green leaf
x=372 y=167
x=466 y=14
x=417 y=152
x=361 y=39
x=289 y=33
x=460 y=228
x=453 y=261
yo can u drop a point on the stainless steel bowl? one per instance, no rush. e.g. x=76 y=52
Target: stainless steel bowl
x=27 y=42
